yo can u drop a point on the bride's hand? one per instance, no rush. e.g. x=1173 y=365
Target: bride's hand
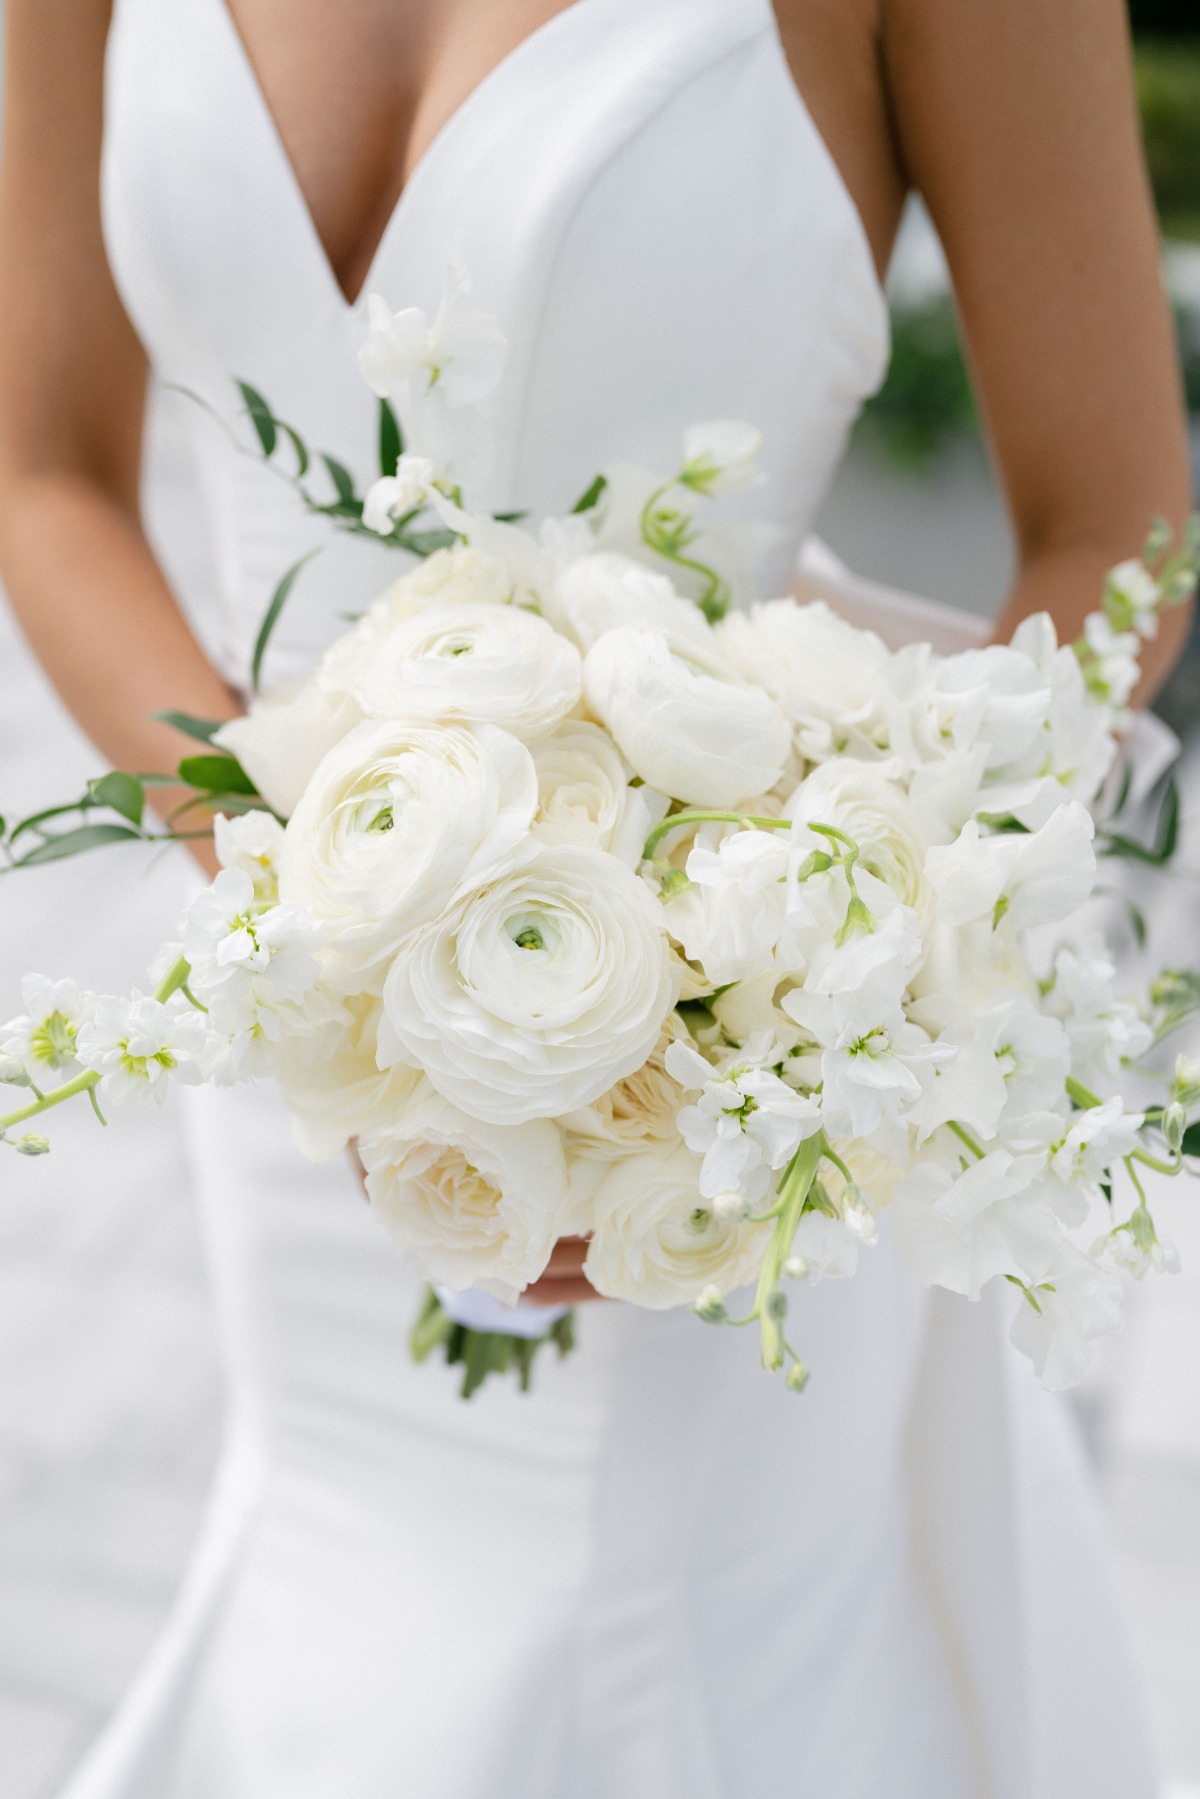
x=562 y=1282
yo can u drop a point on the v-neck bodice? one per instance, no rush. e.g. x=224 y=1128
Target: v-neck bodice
x=640 y=197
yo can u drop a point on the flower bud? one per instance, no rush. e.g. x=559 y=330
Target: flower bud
x=1174 y=1124
x=710 y=1306
x=777 y=1305
x=32 y=1146
x=796 y=1268
x=797 y=1377
x=12 y=1073
x=730 y=1207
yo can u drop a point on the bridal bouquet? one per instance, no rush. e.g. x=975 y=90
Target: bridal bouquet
x=585 y=905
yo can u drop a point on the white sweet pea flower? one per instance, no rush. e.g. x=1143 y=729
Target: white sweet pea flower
x=746 y=1124
x=657 y=1243
x=721 y=457
x=396 y=822
x=1099 y=1137
x=852 y=985
x=601 y=591
x=1030 y=878
x=460 y=355
x=1137 y=1248
x=251 y=842
x=533 y=994
x=959 y=1226
x=1058 y=1318
x=1133 y=597
x=992 y=701
x=585 y=796
x=827 y=1248
x=687 y=723
x=1012 y=1060
x=393 y=496
x=1104 y=1032
x=138 y=1046
x=468 y=1203
x=484 y=663
x=828 y=677
x=43 y=1040
x=729 y=917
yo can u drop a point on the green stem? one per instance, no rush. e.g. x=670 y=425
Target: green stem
x=714 y=601
x=1083 y=1096
x=678 y=820
x=797 y=1186
x=964 y=1136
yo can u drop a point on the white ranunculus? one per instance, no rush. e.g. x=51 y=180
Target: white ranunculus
x=396 y=821
x=686 y=721
x=657 y=1243
x=474 y=661
x=283 y=737
x=584 y=795
x=468 y=1203
x=333 y=1085
x=458 y=576
x=866 y=801
x=597 y=593
x=532 y=995
x=828 y=676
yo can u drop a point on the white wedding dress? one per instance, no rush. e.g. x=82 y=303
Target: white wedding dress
x=660 y=1575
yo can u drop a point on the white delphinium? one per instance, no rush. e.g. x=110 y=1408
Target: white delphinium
x=252 y=842
x=747 y=1123
x=720 y=457
x=1104 y=1032
x=657 y=1243
x=252 y=968
x=478 y=662
x=1030 y=878
x=395 y=496
x=684 y=719
x=585 y=796
x=139 y=1046
x=532 y=995
x=470 y=1203
x=43 y=1040
x=397 y=821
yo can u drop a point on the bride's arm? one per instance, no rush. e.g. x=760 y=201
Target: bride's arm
x=1016 y=120
x=73 y=557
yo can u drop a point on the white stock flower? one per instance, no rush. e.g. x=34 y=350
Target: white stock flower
x=252 y=842
x=468 y=1203
x=396 y=821
x=746 y=1124
x=393 y=496
x=599 y=592
x=827 y=675
x=1135 y=594
x=876 y=1077
x=584 y=793
x=1103 y=1031
x=460 y=355
x=532 y=995
x=252 y=968
x=721 y=457
x=1075 y=1303
x=1114 y=670
x=138 y=1046
x=43 y=1040
x=655 y=1243
x=1030 y=878
x=688 y=724
x=479 y=662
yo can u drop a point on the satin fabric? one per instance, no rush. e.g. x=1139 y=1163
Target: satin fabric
x=661 y=1575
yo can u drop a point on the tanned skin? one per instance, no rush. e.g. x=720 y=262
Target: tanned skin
x=1015 y=120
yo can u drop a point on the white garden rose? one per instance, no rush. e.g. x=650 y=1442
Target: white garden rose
x=334 y=1087
x=597 y=593
x=657 y=1243
x=469 y=1204
x=395 y=822
x=686 y=721
x=639 y=1112
x=827 y=675
x=584 y=795
x=474 y=661
x=533 y=994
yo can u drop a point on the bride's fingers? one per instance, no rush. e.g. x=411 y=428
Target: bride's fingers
x=566 y=1258
x=572 y=1291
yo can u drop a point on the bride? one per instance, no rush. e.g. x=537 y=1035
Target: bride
x=658 y=1575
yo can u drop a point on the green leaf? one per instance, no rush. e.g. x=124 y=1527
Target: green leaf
x=36 y=819
x=298 y=445
x=1191 y=1139
x=75 y=843
x=202 y=729
x=216 y=775
x=261 y=417
x=1166 y=836
x=342 y=479
x=123 y=792
x=271 y=616
x=591 y=495
x=391 y=439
